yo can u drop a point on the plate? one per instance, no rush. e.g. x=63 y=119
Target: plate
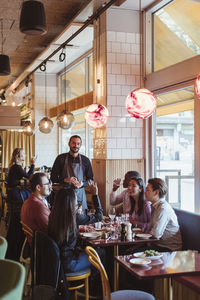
x=144 y=236
x=140 y=261
x=91 y=235
x=140 y=255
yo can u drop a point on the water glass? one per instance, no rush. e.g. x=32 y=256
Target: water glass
x=112 y=213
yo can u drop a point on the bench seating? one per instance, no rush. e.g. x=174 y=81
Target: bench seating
x=189 y=226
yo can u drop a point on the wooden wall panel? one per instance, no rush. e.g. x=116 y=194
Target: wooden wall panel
x=74 y=104
x=105 y=171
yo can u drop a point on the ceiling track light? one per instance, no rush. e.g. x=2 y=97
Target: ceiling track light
x=32 y=18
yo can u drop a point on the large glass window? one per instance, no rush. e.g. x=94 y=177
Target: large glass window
x=176 y=33
x=175 y=146
x=78 y=80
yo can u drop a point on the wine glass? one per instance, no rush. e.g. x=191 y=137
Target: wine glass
x=112 y=213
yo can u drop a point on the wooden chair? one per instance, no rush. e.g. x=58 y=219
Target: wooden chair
x=118 y=295
x=26 y=260
x=26 y=229
x=77 y=276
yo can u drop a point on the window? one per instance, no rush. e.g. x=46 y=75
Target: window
x=176 y=33
x=175 y=146
x=79 y=79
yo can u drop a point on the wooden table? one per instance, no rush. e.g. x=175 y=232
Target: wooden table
x=170 y=265
x=115 y=244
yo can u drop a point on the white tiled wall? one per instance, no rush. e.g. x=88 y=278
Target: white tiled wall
x=45 y=144
x=124 y=133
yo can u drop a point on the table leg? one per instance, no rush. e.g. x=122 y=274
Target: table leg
x=116 y=269
x=163 y=289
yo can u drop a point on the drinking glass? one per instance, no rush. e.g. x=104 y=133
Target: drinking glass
x=112 y=213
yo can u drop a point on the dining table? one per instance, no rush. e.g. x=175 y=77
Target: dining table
x=163 y=269
x=116 y=243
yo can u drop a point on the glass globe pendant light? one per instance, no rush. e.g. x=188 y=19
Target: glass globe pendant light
x=28 y=128
x=65 y=119
x=141 y=103
x=46 y=124
x=96 y=115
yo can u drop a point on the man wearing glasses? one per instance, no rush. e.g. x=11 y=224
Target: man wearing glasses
x=35 y=211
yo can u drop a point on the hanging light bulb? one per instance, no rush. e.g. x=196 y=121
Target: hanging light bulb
x=32 y=18
x=197 y=86
x=141 y=103
x=4 y=59
x=28 y=128
x=96 y=115
x=13 y=103
x=65 y=119
x=46 y=124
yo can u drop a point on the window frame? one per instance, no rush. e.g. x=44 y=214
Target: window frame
x=168 y=79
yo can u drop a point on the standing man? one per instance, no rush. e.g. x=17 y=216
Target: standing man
x=35 y=211
x=164 y=224
x=73 y=169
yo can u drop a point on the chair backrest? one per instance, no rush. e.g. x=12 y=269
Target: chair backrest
x=46 y=260
x=3 y=247
x=26 y=229
x=12 y=277
x=96 y=261
x=46 y=266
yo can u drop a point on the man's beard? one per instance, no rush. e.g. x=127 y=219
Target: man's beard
x=76 y=150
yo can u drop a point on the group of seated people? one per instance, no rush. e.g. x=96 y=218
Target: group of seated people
x=147 y=209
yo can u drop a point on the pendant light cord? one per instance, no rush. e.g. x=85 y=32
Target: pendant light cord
x=65 y=85
x=45 y=93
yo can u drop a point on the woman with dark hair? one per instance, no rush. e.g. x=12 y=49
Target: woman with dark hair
x=140 y=214
x=63 y=226
x=17 y=194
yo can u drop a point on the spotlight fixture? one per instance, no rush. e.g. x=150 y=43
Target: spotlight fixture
x=46 y=124
x=65 y=119
x=4 y=59
x=32 y=18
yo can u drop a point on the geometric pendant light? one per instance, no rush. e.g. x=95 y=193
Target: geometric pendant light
x=141 y=103
x=32 y=18
x=4 y=59
x=46 y=124
x=65 y=119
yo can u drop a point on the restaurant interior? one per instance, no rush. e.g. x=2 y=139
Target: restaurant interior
x=78 y=73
